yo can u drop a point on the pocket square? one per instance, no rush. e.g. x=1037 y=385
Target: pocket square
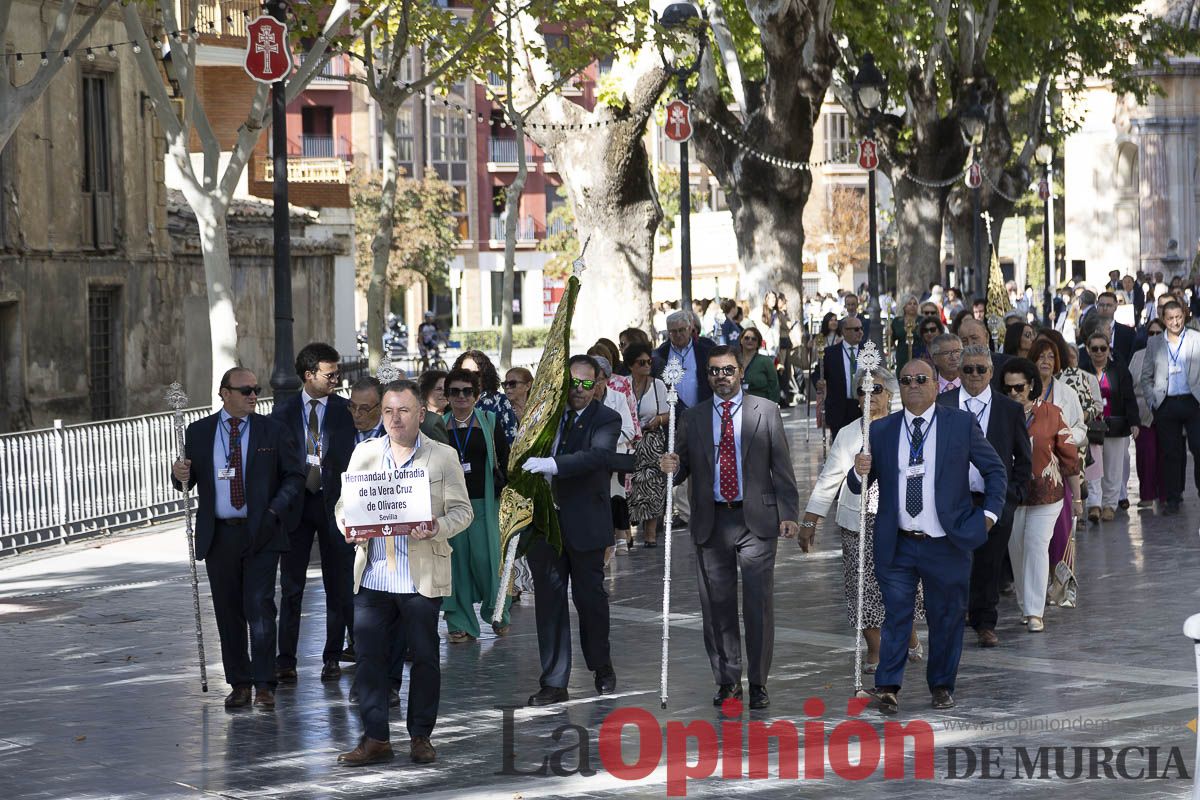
x=264 y=450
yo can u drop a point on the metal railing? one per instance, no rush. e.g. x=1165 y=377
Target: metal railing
x=226 y=18
x=502 y=151
x=310 y=170
x=526 y=230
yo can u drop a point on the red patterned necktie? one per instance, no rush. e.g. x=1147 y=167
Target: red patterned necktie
x=727 y=454
x=237 y=488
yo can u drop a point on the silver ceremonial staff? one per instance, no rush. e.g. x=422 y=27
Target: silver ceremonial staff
x=868 y=362
x=671 y=376
x=1191 y=629
x=177 y=401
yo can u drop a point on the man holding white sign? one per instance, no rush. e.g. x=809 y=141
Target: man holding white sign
x=403 y=498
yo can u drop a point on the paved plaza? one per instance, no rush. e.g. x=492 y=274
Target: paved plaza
x=101 y=695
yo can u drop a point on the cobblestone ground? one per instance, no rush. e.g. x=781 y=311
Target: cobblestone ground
x=101 y=698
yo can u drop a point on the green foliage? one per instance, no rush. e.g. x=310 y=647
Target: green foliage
x=425 y=233
x=667 y=183
x=489 y=338
x=564 y=244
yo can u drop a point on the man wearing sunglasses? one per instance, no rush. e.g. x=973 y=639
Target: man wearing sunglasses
x=741 y=505
x=580 y=470
x=1002 y=420
x=324 y=433
x=839 y=366
x=250 y=478
x=927 y=526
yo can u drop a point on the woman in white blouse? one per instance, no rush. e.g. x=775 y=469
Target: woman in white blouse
x=648 y=485
x=846 y=445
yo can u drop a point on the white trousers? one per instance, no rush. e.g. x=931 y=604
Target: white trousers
x=1112 y=487
x=1028 y=549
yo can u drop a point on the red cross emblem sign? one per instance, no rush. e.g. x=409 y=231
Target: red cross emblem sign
x=975 y=175
x=268 y=58
x=679 y=121
x=1043 y=189
x=868 y=154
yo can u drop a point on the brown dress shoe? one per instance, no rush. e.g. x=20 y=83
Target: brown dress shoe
x=331 y=671
x=369 y=751
x=238 y=698
x=264 y=698
x=987 y=637
x=285 y=674
x=421 y=751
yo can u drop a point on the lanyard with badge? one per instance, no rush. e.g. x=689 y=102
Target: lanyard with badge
x=916 y=453
x=224 y=430
x=979 y=416
x=312 y=459
x=1175 y=368
x=461 y=445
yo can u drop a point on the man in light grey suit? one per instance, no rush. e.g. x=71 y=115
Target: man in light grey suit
x=743 y=497
x=1170 y=382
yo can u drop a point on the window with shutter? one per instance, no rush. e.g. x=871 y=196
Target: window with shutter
x=98 y=217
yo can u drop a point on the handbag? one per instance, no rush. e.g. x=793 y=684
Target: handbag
x=1096 y=429
x=1113 y=424
x=1064 y=589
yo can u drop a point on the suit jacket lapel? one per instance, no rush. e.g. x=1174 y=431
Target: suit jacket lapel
x=943 y=441
x=705 y=414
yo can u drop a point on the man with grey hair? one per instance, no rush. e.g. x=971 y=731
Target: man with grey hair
x=1002 y=421
x=946 y=352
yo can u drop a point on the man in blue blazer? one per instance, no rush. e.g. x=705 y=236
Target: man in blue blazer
x=581 y=467
x=250 y=480
x=927 y=526
x=324 y=436
x=839 y=364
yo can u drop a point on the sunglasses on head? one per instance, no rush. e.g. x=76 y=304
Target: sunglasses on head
x=245 y=391
x=576 y=383
x=876 y=389
x=1015 y=388
x=973 y=369
x=511 y=384
x=460 y=391
x=727 y=371
x=920 y=380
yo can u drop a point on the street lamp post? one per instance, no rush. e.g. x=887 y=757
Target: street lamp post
x=973 y=121
x=284 y=382
x=684 y=20
x=1045 y=157
x=869 y=87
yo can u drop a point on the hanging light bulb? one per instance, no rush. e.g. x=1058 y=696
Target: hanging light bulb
x=90 y=55
x=66 y=56
x=137 y=48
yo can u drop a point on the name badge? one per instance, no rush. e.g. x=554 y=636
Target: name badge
x=1174 y=369
x=915 y=471
x=313 y=460
x=227 y=474
x=466 y=465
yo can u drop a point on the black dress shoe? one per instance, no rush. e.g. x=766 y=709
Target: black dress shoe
x=606 y=680
x=726 y=691
x=285 y=674
x=238 y=698
x=942 y=698
x=331 y=671
x=1124 y=504
x=758 y=696
x=348 y=654
x=888 y=702
x=549 y=695
x=1170 y=509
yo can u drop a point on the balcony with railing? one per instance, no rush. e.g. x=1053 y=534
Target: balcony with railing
x=526 y=231
x=309 y=170
x=320 y=146
x=333 y=75
x=219 y=21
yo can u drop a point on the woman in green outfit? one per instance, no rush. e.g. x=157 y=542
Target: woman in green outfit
x=475 y=565
x=759 y=376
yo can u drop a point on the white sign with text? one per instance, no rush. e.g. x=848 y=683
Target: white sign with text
x=385 y=502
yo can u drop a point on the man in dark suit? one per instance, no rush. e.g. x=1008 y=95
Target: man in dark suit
x=740 y=508
x=250 y=480
x=839 y=365
x=324 y=432
x=685 y=343
x=581 y=467
x=1121 y=338
x=1003 y=423
x=926 y=535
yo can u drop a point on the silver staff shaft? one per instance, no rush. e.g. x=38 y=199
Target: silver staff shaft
x=510 y=560
x=868 y=362
x=666 y=603
x=178 y=400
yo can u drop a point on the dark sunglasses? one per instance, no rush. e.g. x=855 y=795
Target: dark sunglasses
x=511 y=384
x=1154 y=333
x=929 y=330
x=972 y=369
x=920 y=380
x=643 y=362
x=245 y=391
x=716 y=372
x=460 y=391
x=1014 y=388
x=876 y=389
x=931 y=312
x=576 y=383
x=1101 y=349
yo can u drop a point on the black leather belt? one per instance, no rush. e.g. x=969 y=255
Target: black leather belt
x=233 y=521
x=914 y=535
x=730 y=506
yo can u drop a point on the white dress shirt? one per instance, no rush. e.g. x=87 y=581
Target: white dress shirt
x=850 y=363
x=717 y=416
x=927 y=521
x=377 y=575
x=980 y=407
x=1177 y=368
x=221 y=454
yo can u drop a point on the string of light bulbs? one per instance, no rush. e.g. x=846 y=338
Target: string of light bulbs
x=773 y=160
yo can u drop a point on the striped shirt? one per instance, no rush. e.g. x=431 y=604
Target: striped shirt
x=377 y=576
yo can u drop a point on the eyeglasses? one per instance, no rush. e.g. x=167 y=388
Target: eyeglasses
x=460 y=391
x=245 y=391
x=643 y=362
x=1154 y=333
x=975 y=369
x=1015 y=388
x=576 y=383
x=727 y=371
x=929 y=330
x=363 y=409
x=930 y=312
x=329 y=376
x=511 y=384
x=920 y=380
x=1101 y=349
x=949 y=352
x=876 y=389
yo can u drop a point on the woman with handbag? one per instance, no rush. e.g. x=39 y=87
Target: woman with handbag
x=1055 y=457
x=648 y=498
x=1121 y=420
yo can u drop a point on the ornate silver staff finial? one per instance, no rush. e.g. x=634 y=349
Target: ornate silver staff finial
x=868 y=358
x=176 y=398
x=579 y=265
x=987 y=218
x=387 y=373
x=673 y=374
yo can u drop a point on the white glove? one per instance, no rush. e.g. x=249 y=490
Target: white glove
x=541 y=466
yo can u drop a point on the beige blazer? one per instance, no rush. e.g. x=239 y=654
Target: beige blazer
x=428 y=559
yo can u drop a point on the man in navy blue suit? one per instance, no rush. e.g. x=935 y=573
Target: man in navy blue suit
x=927 y=526
x=323 y=430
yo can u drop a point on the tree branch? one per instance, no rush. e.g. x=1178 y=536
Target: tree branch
x=728 y=51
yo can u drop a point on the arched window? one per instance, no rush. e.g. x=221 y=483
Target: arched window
x=1127 y=169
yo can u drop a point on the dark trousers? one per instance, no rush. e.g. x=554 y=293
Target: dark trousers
x=840 y=412
x=729 y=548
x=987 y=573
x=378 y=616
x=243 y=594
x=945 y=571
x=1175 y=417
x=337 y=573
x=551 y=571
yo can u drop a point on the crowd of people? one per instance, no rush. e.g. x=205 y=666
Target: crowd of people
x=1049 y=420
